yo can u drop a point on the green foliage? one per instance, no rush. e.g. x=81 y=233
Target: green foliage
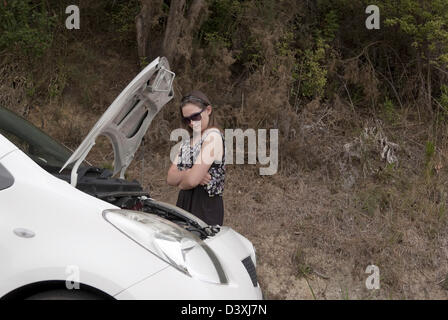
x=25 y=26
x=216 y=40
x=330 y=26
x=143 y=62
x=251 y=54
x=107 y=165
x=429 y=151
x=222 y=22
x=412 y=41
x=389 y=111
x=425 y=23
x=299 y=260
x=444 y=283
x=284 y=46
x=310 y=73
x=121 y=17
x=226 y=27
x=344 y=293
x=57 y=85
x=314 y=74
x=444 y=96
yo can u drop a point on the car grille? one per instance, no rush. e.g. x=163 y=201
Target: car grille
x=250 y=267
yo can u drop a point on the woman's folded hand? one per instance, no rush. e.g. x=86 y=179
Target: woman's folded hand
x=206 y=179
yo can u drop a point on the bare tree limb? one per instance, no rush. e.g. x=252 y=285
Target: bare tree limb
x=194 y=18
x=173 y=27
x=149 y=13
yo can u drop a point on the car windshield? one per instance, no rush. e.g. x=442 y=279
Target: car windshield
x=44 y=150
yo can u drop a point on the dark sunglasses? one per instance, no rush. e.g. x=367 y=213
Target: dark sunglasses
x=194 y=117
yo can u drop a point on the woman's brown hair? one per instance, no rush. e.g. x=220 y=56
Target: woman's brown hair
x=199 y=99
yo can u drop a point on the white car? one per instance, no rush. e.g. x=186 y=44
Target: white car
x=72 y=231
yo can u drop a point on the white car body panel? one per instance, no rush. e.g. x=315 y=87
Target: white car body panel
x=70 y=231
x=6 y=146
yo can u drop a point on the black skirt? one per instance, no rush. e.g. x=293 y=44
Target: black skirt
x=198 y=202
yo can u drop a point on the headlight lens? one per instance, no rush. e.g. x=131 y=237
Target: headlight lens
x=173 y=244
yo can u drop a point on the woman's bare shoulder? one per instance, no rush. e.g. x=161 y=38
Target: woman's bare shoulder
x=211 y=130
x=212 y=134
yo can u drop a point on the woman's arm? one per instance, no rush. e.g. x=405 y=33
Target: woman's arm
x=212 y=149
x=174 y=175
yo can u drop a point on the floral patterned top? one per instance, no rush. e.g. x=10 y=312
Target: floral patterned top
x=217 y=171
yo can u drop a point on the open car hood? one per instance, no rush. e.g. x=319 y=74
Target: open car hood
x=127 y=119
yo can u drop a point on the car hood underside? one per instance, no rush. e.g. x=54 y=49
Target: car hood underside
x=127 y=119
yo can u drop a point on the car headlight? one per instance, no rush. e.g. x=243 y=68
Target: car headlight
x=173 y=244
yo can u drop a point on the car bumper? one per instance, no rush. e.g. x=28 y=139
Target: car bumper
x=169 y=283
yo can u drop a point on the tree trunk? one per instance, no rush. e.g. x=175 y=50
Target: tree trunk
x=195 y=18
x=173 y=28
x=176 y=42
x=149 y=13
x=428 y=83
x=180 y=28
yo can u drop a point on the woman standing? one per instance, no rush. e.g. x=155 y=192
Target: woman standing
x=199 y=169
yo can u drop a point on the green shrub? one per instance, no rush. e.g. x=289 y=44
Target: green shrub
x=228 y=27
x=222 y=22
x=121 y=19
x=429 y=150
x=389 y=111
x=425 y=23
x=25 y=27
x=314 y=75
x=311 y=50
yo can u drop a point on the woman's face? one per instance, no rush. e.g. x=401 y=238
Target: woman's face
x=200 y=125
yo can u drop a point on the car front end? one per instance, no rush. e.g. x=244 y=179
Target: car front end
x=221 y=266
x=66 y=223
